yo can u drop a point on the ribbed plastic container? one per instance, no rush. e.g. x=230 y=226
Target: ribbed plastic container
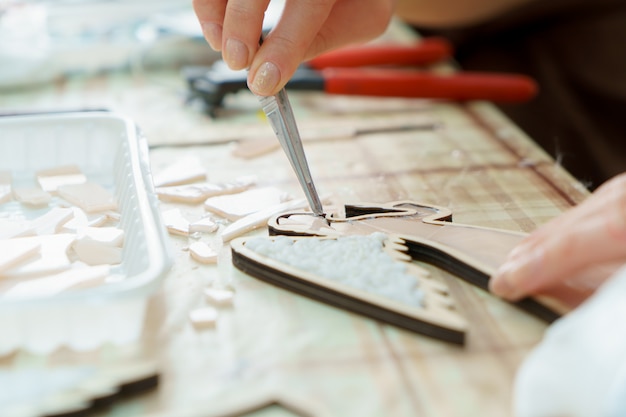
x=110 y=151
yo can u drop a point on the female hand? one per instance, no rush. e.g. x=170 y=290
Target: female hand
x=569 y=257
x=305 y=29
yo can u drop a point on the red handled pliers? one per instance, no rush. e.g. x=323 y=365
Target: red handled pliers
x=388 y=70
x=394 y=71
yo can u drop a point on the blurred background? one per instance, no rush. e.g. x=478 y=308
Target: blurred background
x=41 y=40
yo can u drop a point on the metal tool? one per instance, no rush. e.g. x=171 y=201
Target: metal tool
x=279 y=112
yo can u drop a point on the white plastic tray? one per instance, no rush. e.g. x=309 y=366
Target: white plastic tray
x=110 y=151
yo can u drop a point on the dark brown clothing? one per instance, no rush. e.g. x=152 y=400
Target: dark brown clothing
x=576 y=50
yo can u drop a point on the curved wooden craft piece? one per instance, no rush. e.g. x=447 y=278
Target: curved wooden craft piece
x=437 y=316
x=472 y=253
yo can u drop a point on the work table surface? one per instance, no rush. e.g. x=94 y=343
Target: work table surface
x=467 y=157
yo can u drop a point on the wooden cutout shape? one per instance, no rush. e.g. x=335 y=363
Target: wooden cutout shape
x=436 y=318
x=427 y=232
x=472 y=253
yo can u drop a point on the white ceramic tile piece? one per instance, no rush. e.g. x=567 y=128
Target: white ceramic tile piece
x=204 y=318
x=52 y=221
x=236 y=206
x=259 y=218
x=10 y=228
x=184 y=171
x=82 y=220
x=89 y=196
x=110 y=215
x=15 y=251
x=219 y=297
x=175 y=222
x=32 y=196
x=93 y=252
x=204 y=225
x=52 y=257
x=203 y=253
x=51 y=179
x=109 y=236
x=197 y=193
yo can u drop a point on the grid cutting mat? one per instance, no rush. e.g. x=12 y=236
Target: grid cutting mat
x=465 y=157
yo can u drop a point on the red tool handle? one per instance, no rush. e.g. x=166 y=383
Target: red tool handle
x=458 y=86
x=426 y=51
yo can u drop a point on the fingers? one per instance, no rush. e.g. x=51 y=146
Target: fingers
x=591 y=234
x=308 y=28
x=243 y=23
x=305 y=29
x=285 y=47
x=210 y=14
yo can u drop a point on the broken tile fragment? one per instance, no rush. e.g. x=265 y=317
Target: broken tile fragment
x=93 y=252
x=204 y=225
x=51 y=179
x=53 y=256
x=175 y=222
x=16 y=251
x=52 y=221
x=260 y=218
x=32 y=196
x=10 y=228
x=204 y=318
x=81 y=220
x=202 y=253
x=184 y=171
x=199 y=192
x=219 y=297
x=236 y=206
x=109 y=236
x=89 y=196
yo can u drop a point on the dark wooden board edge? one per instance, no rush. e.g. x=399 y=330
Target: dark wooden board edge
x=473 y=276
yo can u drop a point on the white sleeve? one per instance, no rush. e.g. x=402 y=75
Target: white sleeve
x=579 y=368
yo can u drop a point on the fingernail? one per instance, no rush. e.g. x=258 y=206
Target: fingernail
x=266 y=79
x=235 y=54
x=501 y=283
x=517 y=276
x=213 y=34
